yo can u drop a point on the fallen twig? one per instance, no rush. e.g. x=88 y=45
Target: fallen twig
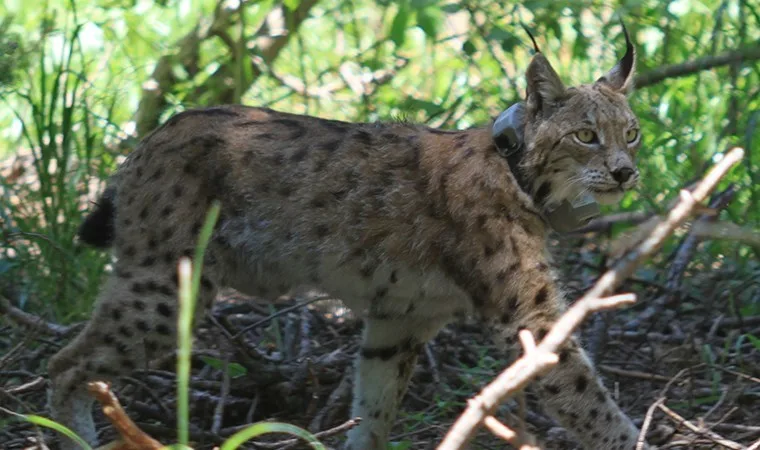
x=711 y=435
x=337 y=400
x=641 y=442
x=38 y=383
x=216 y=425
x=133 y=438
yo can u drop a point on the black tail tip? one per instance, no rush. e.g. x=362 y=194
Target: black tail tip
x=97 y=229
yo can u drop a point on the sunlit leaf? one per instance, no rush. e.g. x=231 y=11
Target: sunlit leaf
x=235 y=370
x=754 y=340
x=400 y=23
x=430 y=20
x=291 y=4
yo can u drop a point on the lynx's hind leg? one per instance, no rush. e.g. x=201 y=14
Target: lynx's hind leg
x=134 y=322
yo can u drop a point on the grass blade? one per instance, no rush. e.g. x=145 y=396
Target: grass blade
x=44 y=422
x=257 y=429
x=189 y=282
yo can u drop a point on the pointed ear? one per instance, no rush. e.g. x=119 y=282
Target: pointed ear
x=620 y=78
x=545 y=89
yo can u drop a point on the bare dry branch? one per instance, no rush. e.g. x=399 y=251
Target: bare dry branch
x=520 y=440
x=647 y=422
x=541 y=358
x=500 y=430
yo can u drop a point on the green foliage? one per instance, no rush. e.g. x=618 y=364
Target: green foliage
x=234 y=370
x=88 y=70
x=61 y=137
x=754 y=340
x=10 y=53
x=189 y=283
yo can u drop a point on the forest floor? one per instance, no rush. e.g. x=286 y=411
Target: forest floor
x=296 y=367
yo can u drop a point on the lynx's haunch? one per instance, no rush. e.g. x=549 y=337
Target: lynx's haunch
x=411 y=226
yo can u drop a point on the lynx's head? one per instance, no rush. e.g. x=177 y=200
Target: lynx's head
x=580 y=139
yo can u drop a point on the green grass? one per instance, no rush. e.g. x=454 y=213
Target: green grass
x=62 y=136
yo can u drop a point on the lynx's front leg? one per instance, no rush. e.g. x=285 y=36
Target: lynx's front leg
x=510 y=282
x=571 y=392
x=384 y=365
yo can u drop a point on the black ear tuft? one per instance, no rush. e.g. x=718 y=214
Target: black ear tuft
x=629 y=59
x=532 y=39
x=620 y=78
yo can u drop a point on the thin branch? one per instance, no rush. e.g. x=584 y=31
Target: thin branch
x=274 y=34
x=606 y=222
x=684 y=255
x=34 y=322
x=154 y=96
x=153 y=100
x=751 y=53
x=641 y=441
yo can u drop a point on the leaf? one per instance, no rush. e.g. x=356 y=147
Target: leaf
x=291 y=4
x=234 y=370
x=400 y=23
x=754 y=340
x=469 y=48
x=430 y=19
x=452 y=8
x=422 y=4
x=581 y=44
x=412 y=105
x=507 y=40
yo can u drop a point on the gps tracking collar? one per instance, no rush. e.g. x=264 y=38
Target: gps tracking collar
x=507 y=135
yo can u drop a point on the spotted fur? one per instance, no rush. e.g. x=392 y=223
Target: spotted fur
x=411 y=226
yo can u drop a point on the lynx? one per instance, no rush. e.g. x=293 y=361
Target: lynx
x=411 y=226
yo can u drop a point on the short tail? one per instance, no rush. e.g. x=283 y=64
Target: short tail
x=97 y=229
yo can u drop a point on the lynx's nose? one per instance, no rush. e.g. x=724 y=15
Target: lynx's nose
x=622 y=175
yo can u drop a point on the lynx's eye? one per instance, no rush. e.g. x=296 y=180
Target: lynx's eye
x=631 y=135
x=586 y=136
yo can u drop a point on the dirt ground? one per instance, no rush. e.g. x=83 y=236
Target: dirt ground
x=293 y=363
